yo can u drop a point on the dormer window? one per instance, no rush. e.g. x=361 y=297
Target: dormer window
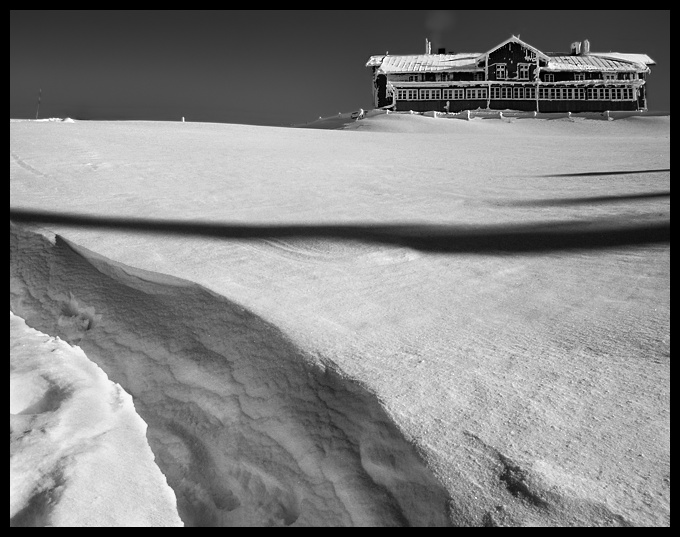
x=579 y=76
x=549 y=77
x=501 y=71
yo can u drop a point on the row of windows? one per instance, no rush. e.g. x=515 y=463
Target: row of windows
x=523 y=74
x=517 y=92
x=611 y=94
x=562 y=93
x=438 y=94
x=435 y=77
x=601 y=94
x=509 y=92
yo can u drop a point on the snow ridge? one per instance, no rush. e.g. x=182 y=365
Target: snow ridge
x=248 y=429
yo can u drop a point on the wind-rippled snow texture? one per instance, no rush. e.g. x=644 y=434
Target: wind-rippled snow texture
x=247 y=428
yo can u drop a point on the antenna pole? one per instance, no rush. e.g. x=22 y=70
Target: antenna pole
x=38 y=108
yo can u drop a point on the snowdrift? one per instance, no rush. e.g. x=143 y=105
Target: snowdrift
x=248 y=429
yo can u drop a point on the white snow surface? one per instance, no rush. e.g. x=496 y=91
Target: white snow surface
x=409 y=321
x=78 y=453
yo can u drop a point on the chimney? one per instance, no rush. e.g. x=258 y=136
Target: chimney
x=441 y=51
x=585 y=47
x=428 y=46
x=576 y=48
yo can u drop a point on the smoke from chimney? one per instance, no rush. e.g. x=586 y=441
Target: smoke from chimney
x=437 y=23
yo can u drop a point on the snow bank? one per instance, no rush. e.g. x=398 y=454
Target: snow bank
x=247 y=428
x=352 y=120
x=78 y=454
x=47 y=119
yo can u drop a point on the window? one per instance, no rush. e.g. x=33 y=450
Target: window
x=401 y=94
x=529 y=92
x=506 y=92
x=549 y=77
x=413 y=78
x=501 y=71
x=424 y=94
x=609 y=76
x=453 y=94
x=579 y=76
x=476 y=93
x=436 y=94
x=518 y=93
x=411 y=94
x=478 y=76
x=523 y=71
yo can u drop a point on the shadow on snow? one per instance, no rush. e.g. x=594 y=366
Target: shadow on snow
x=591 y=199
x=621 y=172
x=445 y=239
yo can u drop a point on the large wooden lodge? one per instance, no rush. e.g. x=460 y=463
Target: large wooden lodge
x=513 y=75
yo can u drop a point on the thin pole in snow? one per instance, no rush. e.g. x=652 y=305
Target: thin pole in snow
x=38 y=108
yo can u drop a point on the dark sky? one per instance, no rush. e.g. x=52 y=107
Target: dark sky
x=275 y=67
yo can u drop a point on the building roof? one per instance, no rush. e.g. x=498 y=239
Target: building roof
x=626 y=56
x=598 y=61
x=414 y=63
x=593 y=61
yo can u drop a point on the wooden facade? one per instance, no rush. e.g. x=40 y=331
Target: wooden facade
x=512 y=76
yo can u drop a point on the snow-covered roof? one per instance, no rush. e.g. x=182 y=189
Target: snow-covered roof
x=626 y=56
x=597 y=61
x=423 y=62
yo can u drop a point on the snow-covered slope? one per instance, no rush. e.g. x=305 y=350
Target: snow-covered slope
x=413 y=321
